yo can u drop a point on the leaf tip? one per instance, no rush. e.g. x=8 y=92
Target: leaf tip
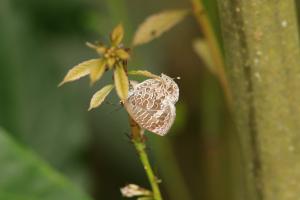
x=90 y=108
x=61 y=83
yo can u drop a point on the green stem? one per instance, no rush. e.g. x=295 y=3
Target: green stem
x=209 y=34
x=139 y=143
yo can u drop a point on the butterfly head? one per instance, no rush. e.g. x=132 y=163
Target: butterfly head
x=171 y=88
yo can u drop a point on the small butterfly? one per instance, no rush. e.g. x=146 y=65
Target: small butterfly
x=151 y=103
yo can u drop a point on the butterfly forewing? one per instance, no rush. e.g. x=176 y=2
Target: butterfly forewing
x=149 y=105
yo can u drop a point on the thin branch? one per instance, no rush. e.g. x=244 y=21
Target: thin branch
x=205 y=26
x=138 y=140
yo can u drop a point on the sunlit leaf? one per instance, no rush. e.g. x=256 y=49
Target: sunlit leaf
x=121 y=53
x=143 y=73
x=117 y=35
x=202 y=50
x=157 y=24
x=97 y=71
x=80 y=70
x=100 y=96
x=121 y=82
x=110 y=62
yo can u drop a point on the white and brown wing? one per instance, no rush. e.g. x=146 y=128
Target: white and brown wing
x=148 y=106
x=157 y=119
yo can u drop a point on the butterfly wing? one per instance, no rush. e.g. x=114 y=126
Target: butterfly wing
x=156 y=121
x=149 y=108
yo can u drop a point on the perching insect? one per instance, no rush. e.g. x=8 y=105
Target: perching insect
x=151 y=103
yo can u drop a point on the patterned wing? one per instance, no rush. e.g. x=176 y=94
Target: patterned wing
x=149 y=108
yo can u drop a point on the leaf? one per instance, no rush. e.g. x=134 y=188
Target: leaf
x=143 y=73
x=202 y=50
x=110 y=62
x=121 y=53
x=100 y=96
x=26 y=177
x=97 y=71
x=80 y=70
x=117 y=35
x=157 y=24
x=100 y=48
x=133 y=190
x=121 y=82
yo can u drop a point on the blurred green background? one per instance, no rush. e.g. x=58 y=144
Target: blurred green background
x=41 y=40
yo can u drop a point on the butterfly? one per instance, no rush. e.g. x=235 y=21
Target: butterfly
x=151 y=103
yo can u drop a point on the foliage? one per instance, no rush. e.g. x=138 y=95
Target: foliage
x=26 y=177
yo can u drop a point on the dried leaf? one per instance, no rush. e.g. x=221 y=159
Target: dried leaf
x=100 y=96
x=143 y=73
x=121 y=82
x=133 y=190
x=121 y=53
x=157 y=24
x=96 y=72
x=117 y=35
x=80 y=70
x=202 y=50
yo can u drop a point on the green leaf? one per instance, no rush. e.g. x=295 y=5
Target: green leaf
x=155 y=25
x=23 y=176
x=121 y=82
x=100 y=96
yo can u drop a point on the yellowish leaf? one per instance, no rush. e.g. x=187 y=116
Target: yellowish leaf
x=202 y=50
x=80 y=70
x=117 y=35
x=96 y=72
x=100 y=96
x=121 y=82
x=157 y=24
x=100 y=48
x=143 y=73
x=121 y=53
x=111 y=62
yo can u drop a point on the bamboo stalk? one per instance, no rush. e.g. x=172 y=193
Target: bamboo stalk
x=261 y=41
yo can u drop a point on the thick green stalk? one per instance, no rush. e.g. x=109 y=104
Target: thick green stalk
x=139 y=143
x=261 y=43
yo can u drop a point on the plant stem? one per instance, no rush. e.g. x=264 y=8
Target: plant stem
x=205 y=25
x=261 y=40
x=140 y=145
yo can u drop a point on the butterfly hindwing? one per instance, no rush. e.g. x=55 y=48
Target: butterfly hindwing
x=150 y=107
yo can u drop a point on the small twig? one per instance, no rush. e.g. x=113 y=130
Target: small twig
x=138 y=140
x=204 y=23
